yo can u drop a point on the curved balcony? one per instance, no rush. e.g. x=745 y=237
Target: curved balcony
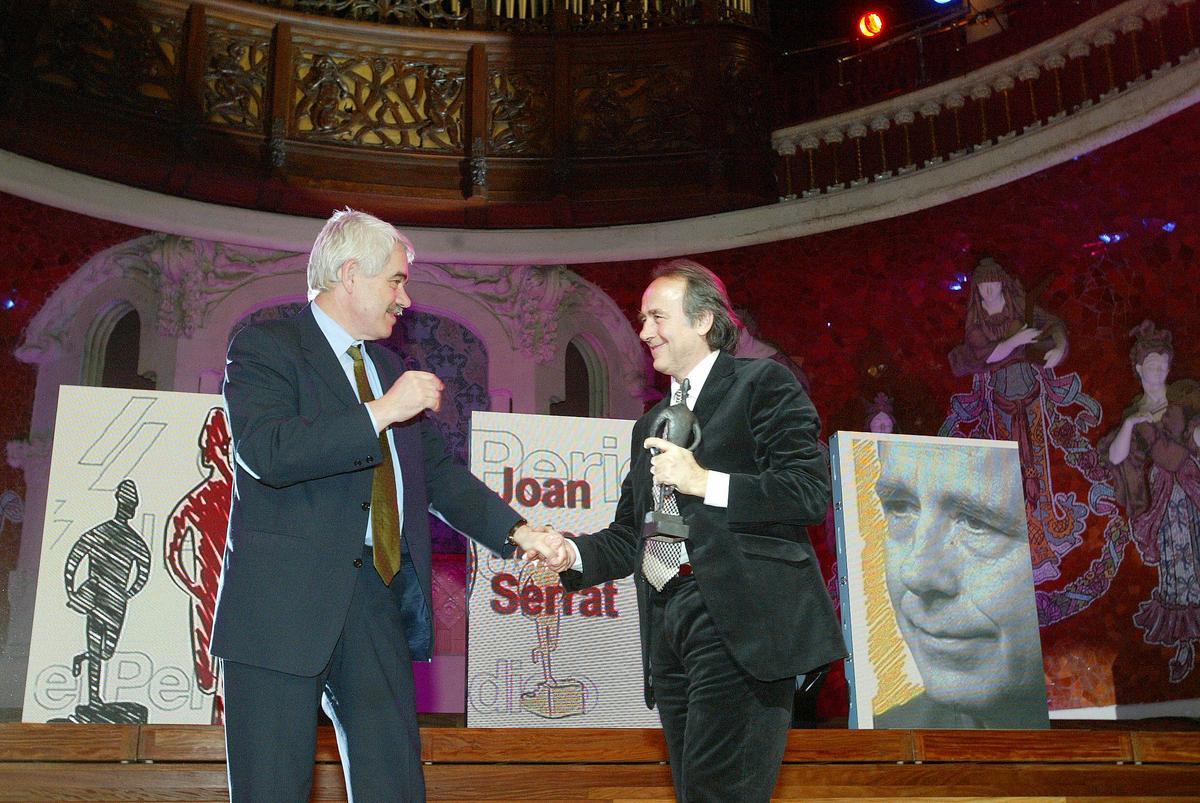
x=1020 y=103
x=535 y=15
x=237 y=103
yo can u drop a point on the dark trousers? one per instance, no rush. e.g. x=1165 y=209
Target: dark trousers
x=726 y=731
x=367 y=691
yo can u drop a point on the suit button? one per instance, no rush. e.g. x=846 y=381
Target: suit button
x=358 y=462
x=370 y=459
x=358 y=563
x=366 y=505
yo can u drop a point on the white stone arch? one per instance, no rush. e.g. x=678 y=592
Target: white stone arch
x=614 y=356
x=597 y=374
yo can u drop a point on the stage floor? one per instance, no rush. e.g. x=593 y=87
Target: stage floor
x=43 y=762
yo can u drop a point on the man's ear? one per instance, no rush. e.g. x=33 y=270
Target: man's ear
x=347 y=272
x=704 y=322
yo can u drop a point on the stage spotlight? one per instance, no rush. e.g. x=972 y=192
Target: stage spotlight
x=870 y=24
x=944 y=2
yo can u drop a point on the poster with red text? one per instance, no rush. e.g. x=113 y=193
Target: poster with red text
x=538 y=656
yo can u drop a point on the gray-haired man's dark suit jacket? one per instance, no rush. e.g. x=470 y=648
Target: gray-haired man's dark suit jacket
x=296 y=532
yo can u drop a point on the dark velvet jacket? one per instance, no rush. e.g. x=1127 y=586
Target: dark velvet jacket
x=753 y=562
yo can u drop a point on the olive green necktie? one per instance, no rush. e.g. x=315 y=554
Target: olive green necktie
x=385 y=525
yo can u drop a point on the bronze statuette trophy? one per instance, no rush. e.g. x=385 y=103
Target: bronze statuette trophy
x=678 y=425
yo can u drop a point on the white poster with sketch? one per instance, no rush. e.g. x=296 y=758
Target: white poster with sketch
x=537 y=655
x=136 y=515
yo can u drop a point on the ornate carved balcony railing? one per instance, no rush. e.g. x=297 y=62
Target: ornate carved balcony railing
x=1040 y=86
x=536 y=15
x=232 y=102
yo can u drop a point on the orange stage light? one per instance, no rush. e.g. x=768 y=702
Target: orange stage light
x=870 y=24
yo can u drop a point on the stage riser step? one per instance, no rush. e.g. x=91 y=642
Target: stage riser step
x=140 y=782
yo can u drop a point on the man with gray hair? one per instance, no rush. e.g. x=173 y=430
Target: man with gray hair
x=325 y=591
x=730 y=616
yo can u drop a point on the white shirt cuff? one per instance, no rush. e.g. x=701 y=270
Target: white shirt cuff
x=371 y=415
x=577 y=564
x=716 y=493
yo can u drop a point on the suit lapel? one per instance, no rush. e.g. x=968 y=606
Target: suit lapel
x=715 y=387
x=321 y=359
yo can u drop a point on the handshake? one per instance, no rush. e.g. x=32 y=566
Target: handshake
x=545 y=545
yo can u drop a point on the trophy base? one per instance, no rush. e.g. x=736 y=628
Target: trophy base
x=554 y=700
x=660 y=526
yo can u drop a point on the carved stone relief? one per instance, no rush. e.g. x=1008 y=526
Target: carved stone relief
x=128 y=55
x=518 y=112
x=235 y=79
x=380 y=101
x=643 y=109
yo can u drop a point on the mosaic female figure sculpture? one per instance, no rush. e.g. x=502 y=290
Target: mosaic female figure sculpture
x=1010 y=350
x=881 y=417
x=1152 y=461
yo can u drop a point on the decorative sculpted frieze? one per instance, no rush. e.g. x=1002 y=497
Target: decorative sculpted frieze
x=122 y=53
x=531 y=302
x=196 y=275
x=433 y=13
x=645 y=109
x=518 y=112
x=380 y=101
x=187 y=277
x=478 y=165
x=235 y=79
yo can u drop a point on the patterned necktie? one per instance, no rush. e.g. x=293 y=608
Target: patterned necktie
x=385 y=517
x=661 y=559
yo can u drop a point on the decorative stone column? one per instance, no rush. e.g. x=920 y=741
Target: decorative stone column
x=809 y=145
x=904 y=118
x=879 y=125
x=980 y=94
x=1004 y=84
x=1154 y=13
x=1104 y=40
x=1130 y=26
x=787 y=152
x=1186 y=5
x=954 y=102
x=1078 y=52
x=857 y=132
x=930 y=111
x=833 y=138
x=1054 y=65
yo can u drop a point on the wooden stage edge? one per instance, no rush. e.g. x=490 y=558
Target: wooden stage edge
x=46 y=762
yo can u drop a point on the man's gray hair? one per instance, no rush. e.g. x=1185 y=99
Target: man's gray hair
x=704 y=292
x=350 y=234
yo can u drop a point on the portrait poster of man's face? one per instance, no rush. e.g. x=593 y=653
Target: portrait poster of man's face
x=937 y=591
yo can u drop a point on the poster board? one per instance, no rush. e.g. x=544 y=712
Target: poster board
x=937 y=597
x=136 y=514
x=536 y=655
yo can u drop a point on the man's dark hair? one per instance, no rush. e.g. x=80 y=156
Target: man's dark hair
x=704 y=292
